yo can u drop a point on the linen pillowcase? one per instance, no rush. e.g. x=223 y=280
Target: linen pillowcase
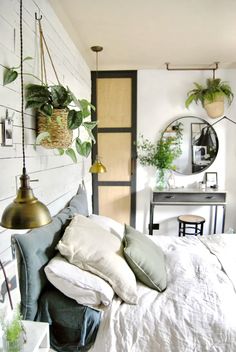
x=145 y=258
x=109 y=224
x=79 y=203
x=92 y=248
x=84 y=287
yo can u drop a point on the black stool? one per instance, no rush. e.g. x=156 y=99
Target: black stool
x=194 y=222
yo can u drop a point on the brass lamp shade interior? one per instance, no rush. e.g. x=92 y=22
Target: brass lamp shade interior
x=97 y=167
x=25 y=212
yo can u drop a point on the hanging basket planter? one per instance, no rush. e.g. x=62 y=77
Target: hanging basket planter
x=56 y=126
x=216 y=108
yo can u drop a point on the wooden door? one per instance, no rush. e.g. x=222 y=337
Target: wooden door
x=114 y=93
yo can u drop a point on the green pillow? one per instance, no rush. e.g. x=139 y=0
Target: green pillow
x=145 y=258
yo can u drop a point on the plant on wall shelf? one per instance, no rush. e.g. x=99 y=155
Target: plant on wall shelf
x=59 y=112
x=211 y=96
x=161 y=154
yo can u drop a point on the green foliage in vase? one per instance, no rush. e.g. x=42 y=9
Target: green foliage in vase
x=13 y=328
x=213 y=89
x=161 y=154
x=45 y=98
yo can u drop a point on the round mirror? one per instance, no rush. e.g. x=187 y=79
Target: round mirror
x=199 y=144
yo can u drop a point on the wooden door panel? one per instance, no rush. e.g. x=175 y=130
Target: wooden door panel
x=114 y=102
x=114 y=93
x=115 y=149
x=115 y=202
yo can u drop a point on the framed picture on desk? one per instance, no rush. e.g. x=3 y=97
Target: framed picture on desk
x=211 y=179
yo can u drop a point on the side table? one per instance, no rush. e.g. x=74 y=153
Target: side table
x=37 y=335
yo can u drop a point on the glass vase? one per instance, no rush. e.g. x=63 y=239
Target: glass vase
x=162 y=177
x=13 y=346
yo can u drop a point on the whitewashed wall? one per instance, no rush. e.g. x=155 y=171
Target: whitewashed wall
x=58 y=177
x=161 y=97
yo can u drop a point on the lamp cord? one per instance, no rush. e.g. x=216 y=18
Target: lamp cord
x=22 y=90
x=6 y=282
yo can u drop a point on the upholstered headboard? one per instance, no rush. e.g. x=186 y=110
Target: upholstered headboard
x=35 y=249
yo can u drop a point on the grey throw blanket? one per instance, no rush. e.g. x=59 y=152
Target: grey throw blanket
x=73 y=327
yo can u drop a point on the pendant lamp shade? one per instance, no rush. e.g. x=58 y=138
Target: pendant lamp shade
x=97 y=167
x=25 y=212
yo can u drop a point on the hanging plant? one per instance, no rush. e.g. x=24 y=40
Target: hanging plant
x=211 y=96
x=59 y=112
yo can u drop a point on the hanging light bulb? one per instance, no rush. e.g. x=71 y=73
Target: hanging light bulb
x=25 y=212
x=97 y=167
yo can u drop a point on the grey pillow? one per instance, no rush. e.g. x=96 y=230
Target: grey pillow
x=79 y=203
x=145 y=258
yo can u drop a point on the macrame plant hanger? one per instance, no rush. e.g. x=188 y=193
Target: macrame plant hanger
x=59 y=134
x=43 y=43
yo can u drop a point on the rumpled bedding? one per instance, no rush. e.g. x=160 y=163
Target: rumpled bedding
x=196 y=313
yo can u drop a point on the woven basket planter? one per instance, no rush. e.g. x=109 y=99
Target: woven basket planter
x=215 y=109
x=60 y=135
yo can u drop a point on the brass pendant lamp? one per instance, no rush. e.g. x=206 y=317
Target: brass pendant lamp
x=25 y=212
x=97 y=167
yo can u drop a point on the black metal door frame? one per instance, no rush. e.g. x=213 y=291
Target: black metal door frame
x=132 y=130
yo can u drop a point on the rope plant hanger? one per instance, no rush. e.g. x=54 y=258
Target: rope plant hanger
x=52 y=125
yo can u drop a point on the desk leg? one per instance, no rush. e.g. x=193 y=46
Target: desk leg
x=151 y=219
x=223 y=219
x=215 y=221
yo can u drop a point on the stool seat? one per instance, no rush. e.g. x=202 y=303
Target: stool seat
x=191 y=222
x=191 y=219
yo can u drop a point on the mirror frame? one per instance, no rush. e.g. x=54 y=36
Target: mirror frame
x=201 y=120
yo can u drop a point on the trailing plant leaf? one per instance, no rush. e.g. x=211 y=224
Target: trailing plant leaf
x=9 y=76
x=90 y=125
x=60 y=97
x=74 y=99
x=70 y=152
x=46 y=109
x=74 y=119
x=42 y=136
x=83 y=148
x=60 y=151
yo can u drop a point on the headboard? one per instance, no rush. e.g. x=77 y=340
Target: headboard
x=35 y=248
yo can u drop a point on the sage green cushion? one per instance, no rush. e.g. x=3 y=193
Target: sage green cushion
x=145 y=258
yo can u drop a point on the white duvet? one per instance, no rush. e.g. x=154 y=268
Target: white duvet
x=196 y=313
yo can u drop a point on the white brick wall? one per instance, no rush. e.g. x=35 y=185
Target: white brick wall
x=58 y=177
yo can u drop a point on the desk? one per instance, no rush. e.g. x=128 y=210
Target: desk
x=184 y=196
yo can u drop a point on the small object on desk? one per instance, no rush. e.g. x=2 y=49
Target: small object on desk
x=192 y=223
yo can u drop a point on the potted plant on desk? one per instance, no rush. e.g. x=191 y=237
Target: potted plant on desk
x=161 y=155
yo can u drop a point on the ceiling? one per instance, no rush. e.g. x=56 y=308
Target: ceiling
x=145 y=34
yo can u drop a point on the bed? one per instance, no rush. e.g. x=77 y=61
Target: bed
x=195 y=311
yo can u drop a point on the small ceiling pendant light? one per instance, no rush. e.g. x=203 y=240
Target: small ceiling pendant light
x=97 y=167
x=25 y=212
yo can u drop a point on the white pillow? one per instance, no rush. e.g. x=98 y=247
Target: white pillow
x=92 y=248
x=109 y=224
x=84 y=287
